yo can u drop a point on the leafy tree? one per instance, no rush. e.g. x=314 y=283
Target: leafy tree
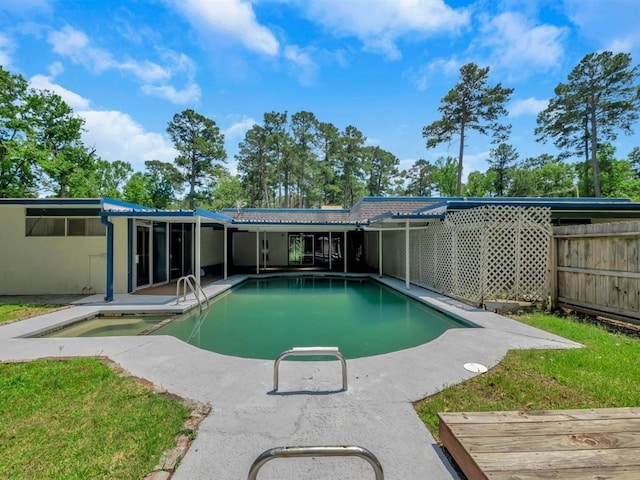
x=163 y=182
x=200 y=145
x=304 y=131
x=57 y=135
x=543 y=176
x=470 y=105
x=600 y=98
x=502 y=160
x=100 y=178
x=382 y=168
x=136 y=190
x=253 y=166
x=228 y=193
x=420 y=177
x=349 y=164
x=445 y=176
x=480 y=184
x=278 y=151
x=634 y=160
x=329 y=142
x=17 y=155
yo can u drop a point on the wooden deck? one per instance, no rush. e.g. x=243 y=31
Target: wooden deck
x=592 y=444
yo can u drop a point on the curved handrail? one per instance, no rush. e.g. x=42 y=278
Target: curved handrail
x=316 y=451
x=309 y=351
x=192 y=282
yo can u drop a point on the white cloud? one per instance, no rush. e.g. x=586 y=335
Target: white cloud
x=438 y=68
x=237 y=130
x=527 y=106
x=406 y=163
x=519 y=46
x=6 y=47
x=55 y=69
x=612 y=24
x=304 y=65
x=189 y=94
x=116 y=136
x=474 y=162
x=23 y=7
x=381 y=23
x=234 y=19
x=155 y=78
x=43 y=82
x=146 y=71
x=75 y=45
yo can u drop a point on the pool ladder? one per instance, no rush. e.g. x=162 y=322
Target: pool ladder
x=310 y=351
x=321 y=450
x=316 y=451
x=194 y=287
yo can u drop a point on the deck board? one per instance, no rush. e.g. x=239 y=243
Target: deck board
x=552 y=444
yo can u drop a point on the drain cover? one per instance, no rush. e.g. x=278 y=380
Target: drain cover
x=475 y=367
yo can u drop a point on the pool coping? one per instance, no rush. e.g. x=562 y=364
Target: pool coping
x=247 y=417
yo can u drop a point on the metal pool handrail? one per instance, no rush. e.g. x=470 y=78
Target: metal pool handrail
x=310 y=351
x=316 y=451
x=194 y=286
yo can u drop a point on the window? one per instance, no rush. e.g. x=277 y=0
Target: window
x=91 y=227
x=44 y=227
x=62 y=226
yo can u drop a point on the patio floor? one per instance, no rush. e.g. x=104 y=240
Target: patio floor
x=247 y=418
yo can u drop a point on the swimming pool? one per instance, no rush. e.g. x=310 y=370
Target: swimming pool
x=260 y=318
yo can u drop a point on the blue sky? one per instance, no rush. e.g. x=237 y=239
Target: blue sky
x=381 y=65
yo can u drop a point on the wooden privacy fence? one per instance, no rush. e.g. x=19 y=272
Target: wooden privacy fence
x=596 y=268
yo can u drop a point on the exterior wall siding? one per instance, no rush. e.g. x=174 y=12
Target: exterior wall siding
x=47 y=265
x=212 y=246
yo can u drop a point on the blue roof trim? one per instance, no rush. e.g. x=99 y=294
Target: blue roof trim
x=169 y=213
x=433 y=206
x=540 y=199
x=213 y=215
x=398 y=199
x=148 y=213
x=310 y=224
x=382 y=216
x=287 y=210
x=123 y=204
x=50 y=201
x=409 y=216
x=560 y=205
x=406 y=216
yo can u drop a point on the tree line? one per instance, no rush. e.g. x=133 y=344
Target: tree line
x=298 y=161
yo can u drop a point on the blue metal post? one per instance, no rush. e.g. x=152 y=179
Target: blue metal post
x=109 y=225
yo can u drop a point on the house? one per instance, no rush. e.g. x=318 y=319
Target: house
x=62 y=246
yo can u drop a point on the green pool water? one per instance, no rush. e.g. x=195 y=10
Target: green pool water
x=262 y=318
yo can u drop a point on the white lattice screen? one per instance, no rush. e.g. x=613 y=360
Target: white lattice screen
x=492 y=252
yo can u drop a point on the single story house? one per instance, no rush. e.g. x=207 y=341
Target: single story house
x=107 y=246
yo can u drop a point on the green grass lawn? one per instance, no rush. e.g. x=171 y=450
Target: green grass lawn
x=78 y=419
x=16 y=311
x=603 y=374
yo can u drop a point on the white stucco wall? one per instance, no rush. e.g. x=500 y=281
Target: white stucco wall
x=244 y=249
x=212 y=246
x=47 y=265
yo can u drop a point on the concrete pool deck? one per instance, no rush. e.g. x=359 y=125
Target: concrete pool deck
x=309 y=408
